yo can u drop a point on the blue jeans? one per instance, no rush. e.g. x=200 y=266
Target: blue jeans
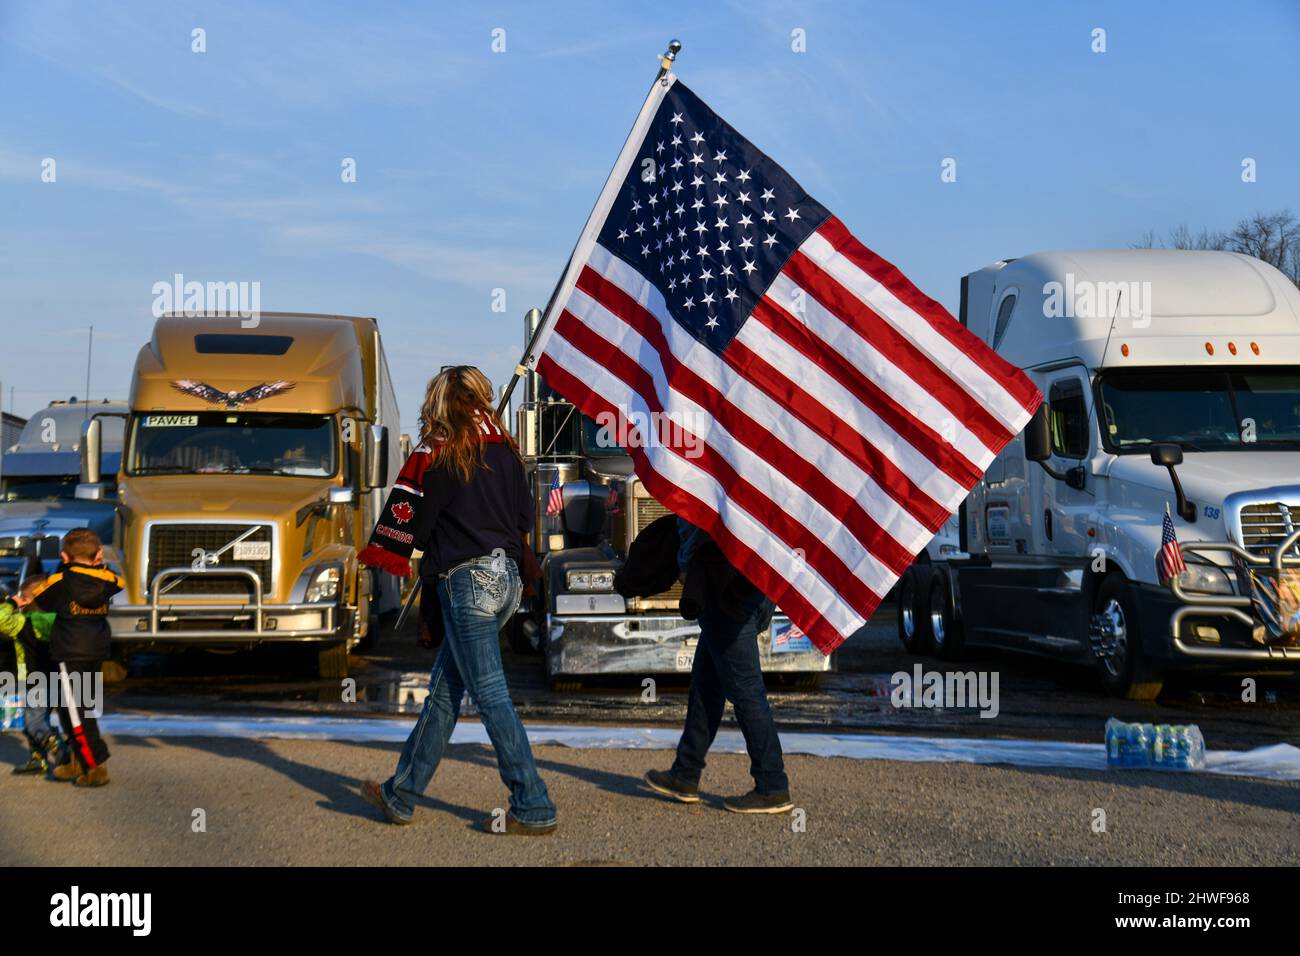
x=37 y=726
x=477 y=599
x=726 y=667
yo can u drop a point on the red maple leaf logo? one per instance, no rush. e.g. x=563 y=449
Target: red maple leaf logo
x=403 y=512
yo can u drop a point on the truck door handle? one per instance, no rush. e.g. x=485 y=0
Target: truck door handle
x=1047 y=522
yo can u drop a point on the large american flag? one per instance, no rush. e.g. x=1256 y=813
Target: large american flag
x=819 y=416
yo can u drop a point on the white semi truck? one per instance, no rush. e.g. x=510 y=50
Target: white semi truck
x=1170 y=379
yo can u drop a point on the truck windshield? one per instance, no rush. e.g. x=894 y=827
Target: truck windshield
x=232 y=443
x=1201 y=409
x=599 y=442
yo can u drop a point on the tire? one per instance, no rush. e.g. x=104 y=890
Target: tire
x=371 y=638
x=945 y=631
x=913 y=616
x=810 y=681
x=517 y=637
x=1123 y=669
x=115 y=669
x=332 y=661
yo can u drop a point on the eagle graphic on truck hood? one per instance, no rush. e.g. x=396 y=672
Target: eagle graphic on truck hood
x=231 y=399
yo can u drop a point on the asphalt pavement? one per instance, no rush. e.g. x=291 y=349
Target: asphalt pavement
x=296 y=802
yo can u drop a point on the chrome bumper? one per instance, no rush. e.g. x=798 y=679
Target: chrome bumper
x=1235 y=607
x=302 y=621
x=657 y=644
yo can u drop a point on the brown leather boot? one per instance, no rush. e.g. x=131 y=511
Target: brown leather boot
x=94 y=777
x=68 y=771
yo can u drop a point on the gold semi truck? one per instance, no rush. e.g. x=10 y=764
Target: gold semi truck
x=255 y=462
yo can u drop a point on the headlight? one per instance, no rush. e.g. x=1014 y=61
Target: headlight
x=589 y=580
x=1206 y=578
x=324 y=586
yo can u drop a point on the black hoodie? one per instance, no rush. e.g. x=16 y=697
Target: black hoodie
x=78 y=594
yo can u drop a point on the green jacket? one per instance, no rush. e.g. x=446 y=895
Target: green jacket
x=42 y=622
x=13 y=624
x=12 y=621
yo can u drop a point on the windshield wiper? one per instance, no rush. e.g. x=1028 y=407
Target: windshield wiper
x=162 y=469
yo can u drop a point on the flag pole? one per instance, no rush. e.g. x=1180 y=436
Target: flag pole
x=587 y=237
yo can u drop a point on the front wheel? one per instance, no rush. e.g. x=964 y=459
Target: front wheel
x=1123 y=669
x=332 y=661
x=523 y=634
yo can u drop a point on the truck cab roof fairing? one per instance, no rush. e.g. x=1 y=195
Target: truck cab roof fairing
x=1166 y=304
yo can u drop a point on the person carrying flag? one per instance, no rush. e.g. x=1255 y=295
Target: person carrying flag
x=732 y=612
x=463 y=499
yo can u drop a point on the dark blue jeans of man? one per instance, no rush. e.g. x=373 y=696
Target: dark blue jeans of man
x=477 y=599
x=726 y=668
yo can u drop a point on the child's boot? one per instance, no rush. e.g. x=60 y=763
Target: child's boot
x=70 y=770
x=96 y=776
x=35 y=764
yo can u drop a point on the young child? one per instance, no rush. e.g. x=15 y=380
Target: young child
x=78 y=593
x=29 y=628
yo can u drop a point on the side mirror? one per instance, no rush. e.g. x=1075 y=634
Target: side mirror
x=1166 y=455
x=92 y=445
x=376 y=457
x=1038 y=447
x=1169 y=455
x=1038 y=436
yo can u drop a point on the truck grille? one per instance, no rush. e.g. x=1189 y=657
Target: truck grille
x=647 y=512
x=43 y=546
x=172 y=546
x=1266 y=525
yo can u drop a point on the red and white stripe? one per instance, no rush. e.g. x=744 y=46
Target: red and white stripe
x=835 y=434
x=1171 y=561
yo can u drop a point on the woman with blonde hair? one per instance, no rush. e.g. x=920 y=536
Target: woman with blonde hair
x=462 y=497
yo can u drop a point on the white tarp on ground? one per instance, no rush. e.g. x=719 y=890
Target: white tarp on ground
x=1277 y=762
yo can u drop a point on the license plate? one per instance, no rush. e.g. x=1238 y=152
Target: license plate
x=253 y=551
x=686 y=659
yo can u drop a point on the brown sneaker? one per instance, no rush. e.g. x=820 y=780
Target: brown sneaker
x=68 y=771
x=515 y=828
x=373 y=794
x=94 y=777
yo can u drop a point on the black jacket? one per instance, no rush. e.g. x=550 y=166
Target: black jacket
x=461 y=520
x=711 y=580
x=78 y=594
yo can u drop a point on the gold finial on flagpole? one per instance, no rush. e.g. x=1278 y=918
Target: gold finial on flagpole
x=667 y=59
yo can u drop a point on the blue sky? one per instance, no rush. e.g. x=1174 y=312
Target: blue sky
x=476 y=170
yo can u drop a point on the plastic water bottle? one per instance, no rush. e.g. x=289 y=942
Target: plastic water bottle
x=1128 y=745
x=1178 y=747
x=11 y=713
